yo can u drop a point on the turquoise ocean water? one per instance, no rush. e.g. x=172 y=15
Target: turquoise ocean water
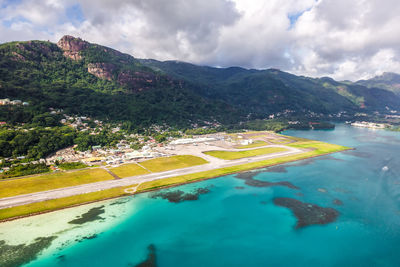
x=235 y=224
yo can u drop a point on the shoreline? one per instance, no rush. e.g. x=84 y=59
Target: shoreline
x=166 y=186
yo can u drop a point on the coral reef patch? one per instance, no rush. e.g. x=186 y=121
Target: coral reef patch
x=90 y=216
x=307 y=213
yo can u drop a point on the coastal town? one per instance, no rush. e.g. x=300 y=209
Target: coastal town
x=372 y=125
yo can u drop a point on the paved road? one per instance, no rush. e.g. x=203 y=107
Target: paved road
x=93 y=187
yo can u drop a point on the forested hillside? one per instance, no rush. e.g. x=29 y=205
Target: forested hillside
x=388 y=80
x=271 y=91
x=93 y=80
x=37 y=72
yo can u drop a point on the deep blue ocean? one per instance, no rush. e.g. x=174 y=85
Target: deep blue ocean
x=236 y=224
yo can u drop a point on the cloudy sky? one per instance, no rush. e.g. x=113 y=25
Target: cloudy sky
x=344 y=39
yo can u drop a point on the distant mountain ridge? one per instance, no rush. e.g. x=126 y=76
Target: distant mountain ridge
x=272 y=90
x=388 y=80
x=90 y=79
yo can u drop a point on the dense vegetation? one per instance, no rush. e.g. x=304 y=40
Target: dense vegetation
x=71 y=165
x=388 y=80
x=26 y=169
x=36 y=143
x=278 y=125
x=271 y=91
x=39 y=142
x=37 y=72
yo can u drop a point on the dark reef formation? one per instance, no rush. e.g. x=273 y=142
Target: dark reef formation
x=151 y=258
x=278 y=169
x=86 y=238
x=90 y=216
x=119 y=201
x=307 y=213
x=61 y=258
x=337 y=202
x=357 y=153
x=248 y=177
x=177 y=196
x=17 y=255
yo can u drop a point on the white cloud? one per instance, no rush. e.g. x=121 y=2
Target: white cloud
x=339 y=38
x=348 y=35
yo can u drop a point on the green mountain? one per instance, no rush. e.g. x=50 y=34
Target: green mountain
x=271 y=91
x=90 y=79
x=388 y=80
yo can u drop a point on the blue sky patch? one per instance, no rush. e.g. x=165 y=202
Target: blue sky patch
x=9 y=22
x=74 y=14
x=10 y=2
x=295 y=16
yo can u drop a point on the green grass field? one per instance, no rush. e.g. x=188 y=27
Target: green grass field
x=127 y=170
x=256 y=143
x=229 y=155
x=172 y=163
x=22 y=186
x=279 y=141
x=60 y=203
x=317 y=146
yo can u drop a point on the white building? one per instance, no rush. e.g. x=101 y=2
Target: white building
x=185 y=141
x=246 y=142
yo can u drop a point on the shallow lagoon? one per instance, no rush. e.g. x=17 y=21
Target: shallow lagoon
x=235 y=222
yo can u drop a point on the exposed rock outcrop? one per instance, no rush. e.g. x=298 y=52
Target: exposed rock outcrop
x=17 y=57
x=72 y=46
x=112 y=65
x=137 y=81
x=102 y=70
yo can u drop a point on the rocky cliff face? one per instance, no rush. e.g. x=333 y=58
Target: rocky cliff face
x=102 y=70
x=72 y=46
x=137 y=81
x=111 y=65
